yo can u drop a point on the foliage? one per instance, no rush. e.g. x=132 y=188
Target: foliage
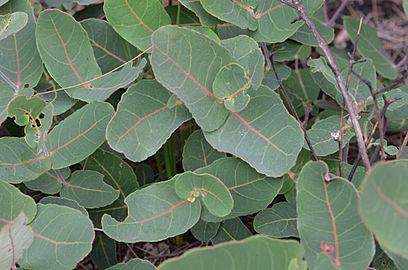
x=133 y=121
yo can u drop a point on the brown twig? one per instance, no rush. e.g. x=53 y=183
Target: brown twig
x=403 y=145
x=299 y=7
x=337 y=13
x=287 y=98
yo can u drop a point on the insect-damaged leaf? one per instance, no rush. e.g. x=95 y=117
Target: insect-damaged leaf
x=154 y=213
x=328 y=219
x=15 y=237
x=62 y=237
x=143 y=121
x=190 y=74
x=89 y=190
x=20 y=64
x=250 y=190
x=255 y=253
x=207 y=188
x=13 y=203
x=12 y=23
x=264 y=134
x=383 y=205
x=136 y=20
x=68 y=55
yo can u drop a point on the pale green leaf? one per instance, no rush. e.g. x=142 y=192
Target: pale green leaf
x=250 y=190
x=13 y=203
x=190 y=75
x=204 y=231
x=324 y=135
x=143 y=122
x=270 y=79
x=154 y=213
x=234 y=12
x=369 y=45
x=231 y=85
x=290 y=50
x=134 y=264
x=383 y=206
x=15 y=237
x=12 y=23
x=264 y=134
x=136 y=20
x=231 y=230
x=255 y=253
x=399 y=261
x=63 y=237
x=19 y=162
x=20 y=64
x=109 y=48
x=197 y=152
x=89 y=190
x=79 y=135
x=246 y=51
x=209 y=189
x=306 y=37
x=279 y=221
x=328 y=220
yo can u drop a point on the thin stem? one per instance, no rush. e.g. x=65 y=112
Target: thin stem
x=298 y=5
x=402 y=147
x=336 y=14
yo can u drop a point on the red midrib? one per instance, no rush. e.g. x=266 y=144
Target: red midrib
x=210 y=94
x=71 y=64
x=137 y=17
x=334 y=225
x=393 y=204
x=266 y=12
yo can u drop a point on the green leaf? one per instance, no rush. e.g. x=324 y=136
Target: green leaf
x=369 y=45
x=145 y=174
x=306 y=37
x=178 y=72
x=197 y=152
x=246 y=51
x=382 y=262
x=109 y=48
x=279 y=221
x=64 y=202
x=250 y=190
x=264 y=134
x=383 y=191
x=290 y=50
x=79 y=135
x=143 y=121
x=212 y=192
x=12 y=23
x=25 y=110
x=231 y=230
x=20 y=64
x=231 y=85
x=49 y=182
x=2 y=2
x=196 y=7
x=270 y=79
x=134 y=264
x=15 y=237
x=13 y=203
x=234 y=12
x=135 y=21
x=63 y=237
x=328 y=219
x=19 y=162
x=399 y=261
x=89 y=189
x=68 y=55
x=397 y=112
x=405 y=6
x=204 y=231
x=324 y=135
x=256 y=253
x=154 y=213
x=103 y=252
